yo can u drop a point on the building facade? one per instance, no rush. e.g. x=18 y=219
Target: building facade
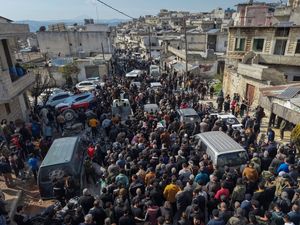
x=258 y=57
x=14 y=80
x=74 y=43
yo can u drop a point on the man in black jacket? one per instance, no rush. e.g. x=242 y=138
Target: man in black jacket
x=98 y=213
x=86 y=201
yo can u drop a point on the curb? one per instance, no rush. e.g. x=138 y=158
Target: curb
x=14 y=204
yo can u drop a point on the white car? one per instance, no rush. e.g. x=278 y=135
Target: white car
x=229 y=119
x=86 y=85
x=57 y=98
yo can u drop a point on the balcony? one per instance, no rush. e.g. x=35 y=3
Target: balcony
x=262 y=73
x=10 y=89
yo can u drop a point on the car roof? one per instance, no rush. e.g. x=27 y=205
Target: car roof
x=220 y=142
x=80 y=95
x=188 y=112
x=61 y=151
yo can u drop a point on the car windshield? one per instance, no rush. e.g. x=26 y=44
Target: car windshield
x=232 y=159
x=191 y=117
x=86 y=84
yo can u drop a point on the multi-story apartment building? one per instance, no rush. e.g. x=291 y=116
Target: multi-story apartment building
x=260 y=56
x=14 y=80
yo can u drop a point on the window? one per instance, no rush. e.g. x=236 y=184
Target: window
x=249 y=21
x=239 y=44
x=81 y=98
x=298 y=47
x=258 y=44
x=60 y=97
x=225 y=44
x=7 y=108
x=296 y=78
x=280 y=46
x=192 y=39
x=282 y=32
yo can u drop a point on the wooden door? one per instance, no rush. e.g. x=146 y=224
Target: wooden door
x=250 y=93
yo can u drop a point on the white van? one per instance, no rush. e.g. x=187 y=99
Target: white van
x=222 y=149
x=154 y=72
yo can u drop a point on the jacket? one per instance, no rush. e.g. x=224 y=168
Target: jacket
x=170 y=192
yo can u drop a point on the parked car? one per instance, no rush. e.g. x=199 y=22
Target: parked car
x=229 y=119
x=83 y=101
x=55 y=99
x=188 y=115
x=154 y=72
x=86 y=85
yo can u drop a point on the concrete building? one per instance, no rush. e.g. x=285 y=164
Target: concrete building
x=282 y=101
x=94 y=39
x=289 y=14
x=258 y=57
x=253 y=14
x=14 y=81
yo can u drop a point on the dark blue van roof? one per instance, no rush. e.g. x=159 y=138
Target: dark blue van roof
x=61 y=151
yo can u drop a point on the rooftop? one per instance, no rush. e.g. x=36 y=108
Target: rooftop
x=61 y=151
x=220 y=141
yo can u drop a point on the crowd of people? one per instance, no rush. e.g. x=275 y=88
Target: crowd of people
x=154 y=173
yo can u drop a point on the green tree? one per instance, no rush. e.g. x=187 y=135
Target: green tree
x=70 y=73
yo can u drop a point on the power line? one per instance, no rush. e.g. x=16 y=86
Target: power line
x=109 y=6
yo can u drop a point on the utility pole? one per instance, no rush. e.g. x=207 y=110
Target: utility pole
x=186 y=52
x=102 y=51
x=149 y=43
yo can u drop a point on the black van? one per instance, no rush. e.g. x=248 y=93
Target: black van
x=65 y=157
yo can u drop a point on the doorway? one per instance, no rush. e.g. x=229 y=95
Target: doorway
x=250 y=90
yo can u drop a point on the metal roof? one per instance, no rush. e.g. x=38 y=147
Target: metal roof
x=61 y=151
x=275 y=91
x=296 y=101
x=188 y=112
x=289 y=93
x=220 y=142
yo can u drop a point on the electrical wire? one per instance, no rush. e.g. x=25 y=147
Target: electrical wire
x=109 y=6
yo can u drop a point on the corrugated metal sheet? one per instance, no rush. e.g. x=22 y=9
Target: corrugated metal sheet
x=273 y=91
x=289 y=93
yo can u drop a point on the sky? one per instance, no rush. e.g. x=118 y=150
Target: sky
x=78 y=9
